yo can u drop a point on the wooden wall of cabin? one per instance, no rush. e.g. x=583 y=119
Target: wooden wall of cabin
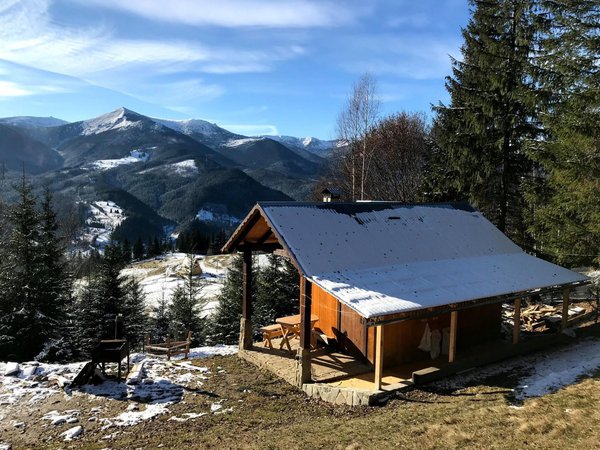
x=340 y=322
x=401 y=340
x=325 y=307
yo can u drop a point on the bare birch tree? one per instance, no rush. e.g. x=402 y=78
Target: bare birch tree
x=354 y=122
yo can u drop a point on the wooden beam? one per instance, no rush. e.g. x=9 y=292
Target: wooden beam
x=265 y=247
x=378 y=356
x=517 y=321
x=453 y=325
x=305 y=313
x=247 y=284
x=265 y=236
x=446 y=309
x=565 y=309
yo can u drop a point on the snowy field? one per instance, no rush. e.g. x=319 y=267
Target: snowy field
x=154 y=385
x=160 y=276
x=103 y=218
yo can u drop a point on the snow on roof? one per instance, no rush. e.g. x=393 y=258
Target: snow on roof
x=383 y=258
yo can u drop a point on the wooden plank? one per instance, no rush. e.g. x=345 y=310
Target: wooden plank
x=305 y=313
x=352 y=332
x=247 y=284
x=453 y=327
x=517 y=321
x=378 y=356
x=565 y=309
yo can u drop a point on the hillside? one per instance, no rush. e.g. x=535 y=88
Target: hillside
x=545 y=400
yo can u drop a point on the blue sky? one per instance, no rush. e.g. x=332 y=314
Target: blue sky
x=251 y=66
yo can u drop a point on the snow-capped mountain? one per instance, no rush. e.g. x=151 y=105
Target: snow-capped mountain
x=120 y=118
x=193 y=126
x=160 y=172
x=31 y=122
x=316 y=146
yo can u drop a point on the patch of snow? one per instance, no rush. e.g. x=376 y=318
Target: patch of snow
x=72 y=433
x=205 y=352
x=215 y=407
x=206 y=215
x=103 y=218
x=232 y=143
x=135 y=156
x=546 y=372
x=186 y=416
x=129 y=418
x=185 y=168
x=57 y=418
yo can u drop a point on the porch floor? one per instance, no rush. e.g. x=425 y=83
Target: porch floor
x=326 y=365
x=340 y=370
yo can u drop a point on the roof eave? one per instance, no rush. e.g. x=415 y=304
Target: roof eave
x=467 y=304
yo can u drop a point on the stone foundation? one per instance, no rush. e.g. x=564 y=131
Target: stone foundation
x=344 y=396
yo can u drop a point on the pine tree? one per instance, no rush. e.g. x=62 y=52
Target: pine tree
x=138 y=249
x=566 y=220
x=492 y=113
x=226 y=320
x=277 y=291
x=186 y=305
x=160 y=321
x=55 y=282
x=135 y=321
x=24 y=326
x=101 y=300
x=126 y=250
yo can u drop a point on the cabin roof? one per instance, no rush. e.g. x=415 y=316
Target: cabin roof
x=382 y=258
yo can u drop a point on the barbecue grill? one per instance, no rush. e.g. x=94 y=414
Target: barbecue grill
x=111 y=351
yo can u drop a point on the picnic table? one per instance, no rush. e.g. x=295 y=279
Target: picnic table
x=290 y=328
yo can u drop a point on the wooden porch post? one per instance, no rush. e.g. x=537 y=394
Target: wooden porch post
x=378 y=356
x=246 y=320
x=565 y=309
x=517 y=321
x=453 y=324
x=303 y=357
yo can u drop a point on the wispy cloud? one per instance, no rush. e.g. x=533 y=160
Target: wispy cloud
x=237 y=13
x=251 y=130
x=10 y=89
x=31 y=37
x=408 y=56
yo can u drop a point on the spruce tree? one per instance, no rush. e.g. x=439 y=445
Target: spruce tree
x=55 y=282
x=566 y=195
x=24 y=325
x=135 y=320
x=138 y=249
x=277 y=291
x=101 y=300
x=491 y=114
x=226 y=320
x=186 y=305
x=160 y=321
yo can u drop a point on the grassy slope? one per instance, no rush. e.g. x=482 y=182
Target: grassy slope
x=272 y=414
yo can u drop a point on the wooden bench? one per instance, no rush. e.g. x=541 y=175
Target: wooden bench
x=270 y=332
x=170 y=348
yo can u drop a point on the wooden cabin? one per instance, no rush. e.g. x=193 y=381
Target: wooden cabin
x=380 y=276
